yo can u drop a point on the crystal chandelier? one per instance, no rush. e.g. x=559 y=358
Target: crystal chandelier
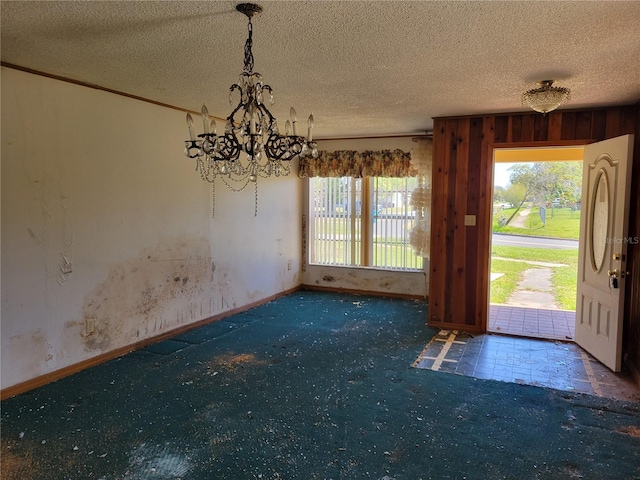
x=546 y=97
x=250 y=128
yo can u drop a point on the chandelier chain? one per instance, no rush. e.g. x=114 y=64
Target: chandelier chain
x=248 y=53
x=231 y=187
x=255 y=196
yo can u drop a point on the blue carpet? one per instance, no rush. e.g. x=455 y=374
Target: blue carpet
x=310 y=386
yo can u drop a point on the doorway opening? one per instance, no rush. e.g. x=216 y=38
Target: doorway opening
x=535 y=241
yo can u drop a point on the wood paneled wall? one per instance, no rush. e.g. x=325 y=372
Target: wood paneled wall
x=462 y=185
x=631 y=328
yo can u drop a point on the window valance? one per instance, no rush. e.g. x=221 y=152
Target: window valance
x=351 y=163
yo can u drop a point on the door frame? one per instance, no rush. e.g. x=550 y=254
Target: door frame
x=487 y=233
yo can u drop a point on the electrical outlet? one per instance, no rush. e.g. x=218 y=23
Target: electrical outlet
x=289 y=265
x=89 y=326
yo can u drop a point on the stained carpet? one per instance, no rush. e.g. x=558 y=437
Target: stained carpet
x=309 y=386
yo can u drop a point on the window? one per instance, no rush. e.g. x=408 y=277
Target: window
x=362 y=222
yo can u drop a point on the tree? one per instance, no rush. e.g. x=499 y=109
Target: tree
x=548 y=182
x=514 y=194
x=499 y=194
x=565 y=183
x=522 y=175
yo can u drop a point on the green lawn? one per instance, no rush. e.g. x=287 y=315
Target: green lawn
x=385 y=255
x=503 y=287
x=561 y=223
x=564 y=279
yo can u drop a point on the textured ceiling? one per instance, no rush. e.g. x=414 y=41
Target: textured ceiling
x=362 y=67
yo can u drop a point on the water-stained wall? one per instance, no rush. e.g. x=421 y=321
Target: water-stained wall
x=107 y=227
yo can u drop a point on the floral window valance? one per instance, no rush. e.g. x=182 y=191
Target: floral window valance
x=351 y=163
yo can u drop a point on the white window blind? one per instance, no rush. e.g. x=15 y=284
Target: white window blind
x=362 y=222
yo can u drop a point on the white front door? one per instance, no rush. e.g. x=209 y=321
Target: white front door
x=602 y=260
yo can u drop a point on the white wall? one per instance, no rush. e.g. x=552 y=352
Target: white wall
x=104 y=217
x=366 y=279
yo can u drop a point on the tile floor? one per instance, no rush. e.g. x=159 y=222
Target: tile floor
x=560 y=365
x=532 y=322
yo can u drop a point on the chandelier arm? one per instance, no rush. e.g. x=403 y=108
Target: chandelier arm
x=284 y=148
x=233 y=113
x=192 y=148
x=263 y=108
x=208 y=143
x=273 y=147
x=228 y=148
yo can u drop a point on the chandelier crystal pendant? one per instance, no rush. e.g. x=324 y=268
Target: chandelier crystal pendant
x=250 y=129
x=546 y=97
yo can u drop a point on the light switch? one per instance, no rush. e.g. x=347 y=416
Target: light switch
x=89 y=326
x=470 y=220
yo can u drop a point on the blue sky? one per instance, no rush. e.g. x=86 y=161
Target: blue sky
x=501 y=174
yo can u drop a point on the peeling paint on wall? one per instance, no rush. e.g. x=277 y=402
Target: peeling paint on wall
x=66 y=266
x=66 y=269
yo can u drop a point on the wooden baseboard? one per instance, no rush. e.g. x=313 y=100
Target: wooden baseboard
x=118 y=352
x=351 y=291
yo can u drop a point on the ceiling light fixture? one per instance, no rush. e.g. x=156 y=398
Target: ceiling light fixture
x=254 y=131
x=546 y=97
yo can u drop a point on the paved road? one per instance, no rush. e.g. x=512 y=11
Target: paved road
x=537 y=242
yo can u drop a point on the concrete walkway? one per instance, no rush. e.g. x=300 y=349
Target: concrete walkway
x=535 y=290
x=521 y=220
x=531 y=262
x=532 y=309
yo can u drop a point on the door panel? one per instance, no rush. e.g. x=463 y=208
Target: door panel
x=602 y=259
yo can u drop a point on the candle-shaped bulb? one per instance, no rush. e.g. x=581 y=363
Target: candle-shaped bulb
x=205 y=118
x=190 y=126
x=310 y=124
x=252 y=119
x=212 y=128
x=294 y=120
